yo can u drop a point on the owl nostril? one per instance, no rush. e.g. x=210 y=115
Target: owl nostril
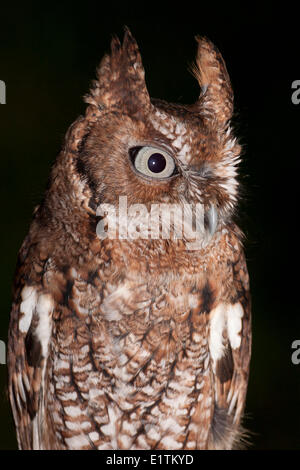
x=201 y=169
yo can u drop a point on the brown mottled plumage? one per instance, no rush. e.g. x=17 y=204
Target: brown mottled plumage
x=134 y=344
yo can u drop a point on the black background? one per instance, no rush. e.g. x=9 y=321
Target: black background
x=48 y=56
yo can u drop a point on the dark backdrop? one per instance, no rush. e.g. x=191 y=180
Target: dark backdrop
x=48 y=55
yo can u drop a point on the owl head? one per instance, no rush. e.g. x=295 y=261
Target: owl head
x=151 y=151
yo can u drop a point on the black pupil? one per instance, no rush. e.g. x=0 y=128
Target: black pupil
x=157 y=163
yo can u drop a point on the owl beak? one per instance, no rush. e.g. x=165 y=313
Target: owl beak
x=210 y=227
x=211 y=220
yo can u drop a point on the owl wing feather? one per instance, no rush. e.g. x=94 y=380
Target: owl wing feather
x=232 y=370
x=26 y=362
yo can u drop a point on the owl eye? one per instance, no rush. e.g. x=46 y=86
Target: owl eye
x=153 y=162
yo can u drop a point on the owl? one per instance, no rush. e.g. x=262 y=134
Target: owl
x=135 y=342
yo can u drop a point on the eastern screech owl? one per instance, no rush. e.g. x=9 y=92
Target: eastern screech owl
x=135 y=343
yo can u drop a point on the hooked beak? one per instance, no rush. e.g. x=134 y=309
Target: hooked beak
x=211 y=220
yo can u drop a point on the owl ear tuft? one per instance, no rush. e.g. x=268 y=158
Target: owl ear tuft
x=216 y=98
x=121 y=78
